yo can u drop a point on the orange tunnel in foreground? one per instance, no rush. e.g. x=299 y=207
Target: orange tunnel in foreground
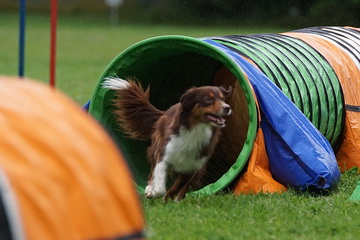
x=61 y=176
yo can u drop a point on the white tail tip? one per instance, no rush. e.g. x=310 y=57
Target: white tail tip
x=114 y=83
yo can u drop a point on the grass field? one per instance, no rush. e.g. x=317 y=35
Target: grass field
x=85 y=46
x=287 y=216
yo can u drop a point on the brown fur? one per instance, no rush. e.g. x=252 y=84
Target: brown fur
x=135 y=114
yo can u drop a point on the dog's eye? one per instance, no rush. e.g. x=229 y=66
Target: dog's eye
x=208 y=101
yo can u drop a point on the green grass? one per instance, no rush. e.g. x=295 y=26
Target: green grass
x=86 y=45
x=287 y=216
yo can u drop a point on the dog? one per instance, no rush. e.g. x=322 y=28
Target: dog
x=183 y=137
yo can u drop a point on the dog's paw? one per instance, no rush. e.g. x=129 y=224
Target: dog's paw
x=153 y=192
x=168 y=197
x=148 y=190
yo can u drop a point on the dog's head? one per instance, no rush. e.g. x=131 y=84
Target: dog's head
x=206 y=105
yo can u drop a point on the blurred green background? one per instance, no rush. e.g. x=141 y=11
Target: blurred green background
x=285 y=13
x=91 y=34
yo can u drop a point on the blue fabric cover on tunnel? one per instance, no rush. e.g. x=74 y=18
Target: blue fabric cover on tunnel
x=299 y=155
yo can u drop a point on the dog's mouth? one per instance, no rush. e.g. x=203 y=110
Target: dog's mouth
x=215 y=120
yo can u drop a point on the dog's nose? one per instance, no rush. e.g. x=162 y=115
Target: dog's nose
x=226 y=108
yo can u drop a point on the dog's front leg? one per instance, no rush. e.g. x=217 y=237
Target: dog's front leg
x=157 y=185
x=176 y=187
x=185 y=187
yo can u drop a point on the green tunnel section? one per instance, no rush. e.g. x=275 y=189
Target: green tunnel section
x=304 y=76
x=170 y=65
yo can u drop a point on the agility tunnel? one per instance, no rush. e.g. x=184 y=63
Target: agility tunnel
x=296 y=103
x=61 y=177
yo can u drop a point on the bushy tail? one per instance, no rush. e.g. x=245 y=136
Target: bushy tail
x=135 y=114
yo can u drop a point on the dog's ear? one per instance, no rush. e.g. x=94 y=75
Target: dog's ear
x=227 y=92
x=188 y=100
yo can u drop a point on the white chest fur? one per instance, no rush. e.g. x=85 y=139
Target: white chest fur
x=183 y=151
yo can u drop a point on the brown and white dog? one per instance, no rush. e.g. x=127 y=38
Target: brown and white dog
x=182 y=138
